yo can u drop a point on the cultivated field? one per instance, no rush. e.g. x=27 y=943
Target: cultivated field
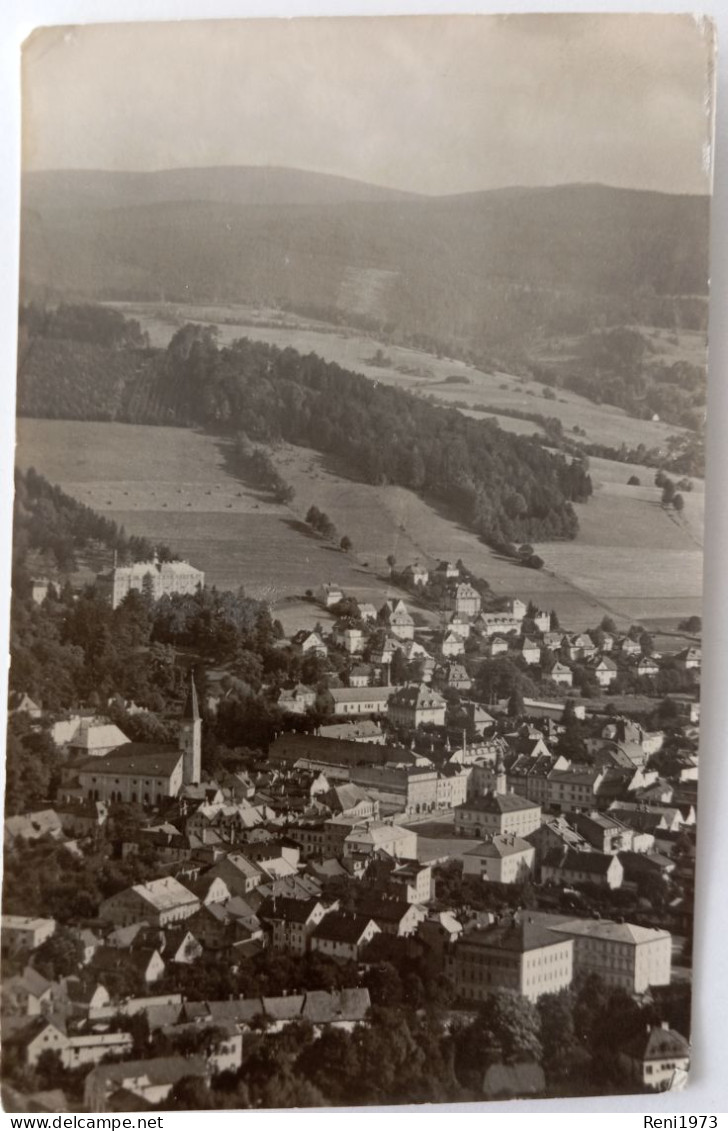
x=420 y=373
x=632 y=559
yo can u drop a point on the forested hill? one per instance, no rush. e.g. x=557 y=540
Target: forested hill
x=54 y=529
x=472 y=272
x=506 y=487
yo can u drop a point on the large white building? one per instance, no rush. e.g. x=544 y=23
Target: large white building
x=624 y=955
x=146 y=773
x=158 y=579
x=521 y=956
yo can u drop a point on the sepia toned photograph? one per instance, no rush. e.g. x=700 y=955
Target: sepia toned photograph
x=356 y=622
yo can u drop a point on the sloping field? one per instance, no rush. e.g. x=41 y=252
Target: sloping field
x=420 y=373
x=642 y=559
x=632 y=559
x=171 y=485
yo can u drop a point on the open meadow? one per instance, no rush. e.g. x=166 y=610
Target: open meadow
x=447 y=381
x=632 y=559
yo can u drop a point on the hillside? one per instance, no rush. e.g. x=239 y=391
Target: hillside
x=504 y=486
x=475 y=272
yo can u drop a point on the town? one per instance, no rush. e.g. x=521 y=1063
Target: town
x=469 y=834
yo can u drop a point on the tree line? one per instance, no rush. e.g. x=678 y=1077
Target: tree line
x=504 y=486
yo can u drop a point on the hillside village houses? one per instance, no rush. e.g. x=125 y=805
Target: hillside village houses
x=323 y=843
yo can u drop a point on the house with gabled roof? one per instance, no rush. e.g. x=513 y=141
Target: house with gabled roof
x=149 y=1080
x=27 y=994
x=456 y=676
x=330 y=594
x=415 y=704
x=297 y=700
x=529 y=651
x=310 y=643
x=398 y=620
x=416 y=574
x=561 y=674
x=572 y=866
x=146 y=961
x=580 y=646
x=459 y=623
x=24 y=932
x=158 y=902
x=452 y=644
x=360 y=675
x=393 y=916
x=657 y=1058
x=495 y=814
x=30 y=1037
x=463 y=598
x=501 y=859
x=343 y=935
x=20 y=702
x=605 y=670
x=690 y=659
x=292 y=921
x=359 y=700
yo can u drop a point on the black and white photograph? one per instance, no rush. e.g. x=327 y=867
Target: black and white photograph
x=356 y=614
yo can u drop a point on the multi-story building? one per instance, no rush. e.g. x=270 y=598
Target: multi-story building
x=497 y=812
x=157 y=579
x=343 y=935
x=520 y=956
x=412 y=706
x=573 y=866
x=292 y=922
x=506 y=859
x=463 y=598
x=624 y=955
x=158 y=902
x=359 y=700
x=146 y=773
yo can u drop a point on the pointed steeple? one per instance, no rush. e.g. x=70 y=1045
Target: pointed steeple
x=191 y=712
x=190 y=737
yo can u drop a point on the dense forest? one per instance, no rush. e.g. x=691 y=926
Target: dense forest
x=55 y=528
x=505 y=487
x=485 y=271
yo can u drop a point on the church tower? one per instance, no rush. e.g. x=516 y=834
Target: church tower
x=190 y=737
x=500 y=776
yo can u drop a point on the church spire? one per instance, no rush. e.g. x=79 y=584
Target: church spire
x=190 y=737
x=191 y=712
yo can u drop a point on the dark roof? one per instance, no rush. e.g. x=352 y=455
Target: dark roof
x=571 y=860
x=287 y=909
x=339 y=926
x=388 y=910
x=142 y=758
x=514 y=937
x=499 y=803
x=158 y=1070
x=656 y=1043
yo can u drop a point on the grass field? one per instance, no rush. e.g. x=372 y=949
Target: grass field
x=632 y=559
x=420 y=373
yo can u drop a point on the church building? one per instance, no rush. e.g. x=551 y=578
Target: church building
x=146 y=773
